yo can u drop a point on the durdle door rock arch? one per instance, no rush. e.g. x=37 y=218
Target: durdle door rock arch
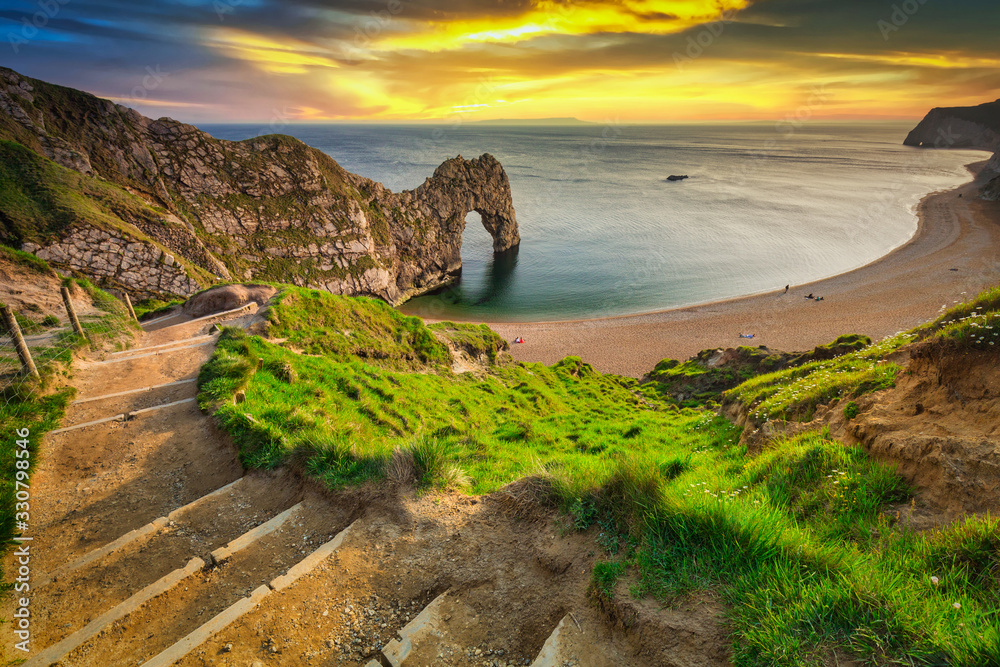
x=188 y=210
x=458 y=187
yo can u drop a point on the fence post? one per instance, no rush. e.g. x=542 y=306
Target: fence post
x=10 y=324
x=128 y=303
x=72 y=313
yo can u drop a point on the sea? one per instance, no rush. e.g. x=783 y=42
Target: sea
x=604 y=233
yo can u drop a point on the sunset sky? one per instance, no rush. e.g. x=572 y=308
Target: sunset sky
x=283 y=61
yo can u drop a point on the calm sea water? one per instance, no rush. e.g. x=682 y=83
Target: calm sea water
x=602 y=233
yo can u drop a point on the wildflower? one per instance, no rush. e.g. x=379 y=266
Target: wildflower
x=935 y=580
x=957 y=605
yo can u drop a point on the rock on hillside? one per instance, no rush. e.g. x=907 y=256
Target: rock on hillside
x=267 y=208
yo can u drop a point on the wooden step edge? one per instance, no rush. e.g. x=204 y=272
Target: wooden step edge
x=62 y=648
x=222 y=554
x=209 y=629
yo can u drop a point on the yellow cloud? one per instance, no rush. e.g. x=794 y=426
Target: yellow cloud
x=288 y=56
x=550 y=17
x=936 y=60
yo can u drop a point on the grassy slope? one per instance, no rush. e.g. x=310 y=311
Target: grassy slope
x=796 y=540
x=33 y=404
x=40 y=199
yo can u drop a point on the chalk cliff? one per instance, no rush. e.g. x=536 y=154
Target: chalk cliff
x=158 y=207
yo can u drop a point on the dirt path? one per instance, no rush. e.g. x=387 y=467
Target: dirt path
x=149 y=544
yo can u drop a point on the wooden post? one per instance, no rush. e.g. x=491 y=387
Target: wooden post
x=72 y=313
x=10 y=324
x=128 y=303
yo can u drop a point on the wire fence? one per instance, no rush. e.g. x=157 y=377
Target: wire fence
x=38 y=341
x=35 y=344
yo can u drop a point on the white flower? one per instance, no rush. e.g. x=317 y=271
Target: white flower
x=935 y=580
x=957 y=605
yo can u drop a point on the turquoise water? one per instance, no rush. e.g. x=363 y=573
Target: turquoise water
x=602 y=233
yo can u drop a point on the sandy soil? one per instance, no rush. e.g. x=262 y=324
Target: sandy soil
x=509 y=582
x=955 y=252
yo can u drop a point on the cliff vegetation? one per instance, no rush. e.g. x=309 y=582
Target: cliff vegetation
x=808 y=536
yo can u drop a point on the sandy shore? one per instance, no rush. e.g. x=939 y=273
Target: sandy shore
x=901 y=290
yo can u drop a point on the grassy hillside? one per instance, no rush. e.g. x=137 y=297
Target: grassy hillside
x=801 y=541
x=39 y=198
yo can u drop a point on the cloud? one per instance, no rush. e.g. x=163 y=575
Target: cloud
x=244 y=60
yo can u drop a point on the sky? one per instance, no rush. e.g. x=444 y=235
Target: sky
x=286 y=61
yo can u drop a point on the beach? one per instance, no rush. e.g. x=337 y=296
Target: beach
x=954 y=254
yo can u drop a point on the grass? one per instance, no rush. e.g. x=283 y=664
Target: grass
x=704 y=379
x=801 y=542
x=794 y=393
x=798 y=543
x=973 y=324
x=148 y=309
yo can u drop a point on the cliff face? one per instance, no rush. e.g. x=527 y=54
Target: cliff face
x=186 y=209
x=959 y=127
x=964 y=127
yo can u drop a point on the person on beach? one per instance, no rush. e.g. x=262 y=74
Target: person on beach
x=786 y=289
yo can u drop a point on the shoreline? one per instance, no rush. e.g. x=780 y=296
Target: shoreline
x=904 y=288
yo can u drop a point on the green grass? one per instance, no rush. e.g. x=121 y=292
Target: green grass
x=342 y=329
x=703 y=380
x=149 y=309
x=794 y=393
x=26 y=260
x=801 y=542
x=798 y=543
x=973 y=324
x=476 y=340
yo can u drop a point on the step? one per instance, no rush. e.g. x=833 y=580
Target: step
x=222 y=554
x=246 y=308
x=137 y=534
x=180 y=341
x=175 y=620
x=342 y=612
x=121 y=417
x=154 y=353
x=129 y=392
x=100 y=624
x=434 y=636
x=130 y=400
x=240 y=608
x=569 y=644
x=232 y=517
x=120 y=476
x=162 y=318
